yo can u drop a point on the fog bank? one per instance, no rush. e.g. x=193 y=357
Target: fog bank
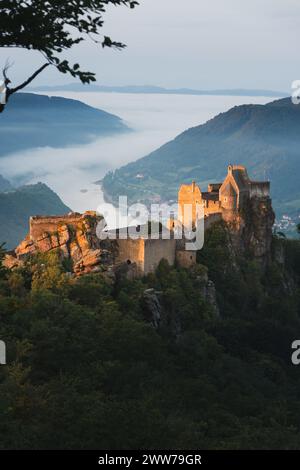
x=155 y=119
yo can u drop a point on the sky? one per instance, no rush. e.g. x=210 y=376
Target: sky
x=204 y=44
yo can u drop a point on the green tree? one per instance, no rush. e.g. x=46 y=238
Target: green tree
x=3 y=270
x=48 y=272
x=51 y=28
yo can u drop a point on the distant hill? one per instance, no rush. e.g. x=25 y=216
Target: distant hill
x=4 y=185
x=265 y=138
x=40 y=121
x=150 y=89
x=18 y=205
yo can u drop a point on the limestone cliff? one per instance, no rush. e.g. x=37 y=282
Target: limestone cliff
x=74 y=236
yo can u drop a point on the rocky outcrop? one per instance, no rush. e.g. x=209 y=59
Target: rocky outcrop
x=206 y=287
x=152 y=307
x=257 y=232
x=73 y=236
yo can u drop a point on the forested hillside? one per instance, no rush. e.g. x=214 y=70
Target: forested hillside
x=89 y=368
x=18 y=205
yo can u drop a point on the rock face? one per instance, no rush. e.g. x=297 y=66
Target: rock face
x=207 y=288
x=257 y=229
x=73 y=236
x=152 y=307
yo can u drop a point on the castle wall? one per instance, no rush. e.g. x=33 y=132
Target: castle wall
x=38 y=226
x=189 y=195
x=186 y=259
x=146 y=253
x=212 y=207
x=260 y=189
x=156 y=250
x=131 y=251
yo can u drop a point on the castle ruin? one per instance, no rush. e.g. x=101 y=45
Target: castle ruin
x=225 y=200
x=244 y=205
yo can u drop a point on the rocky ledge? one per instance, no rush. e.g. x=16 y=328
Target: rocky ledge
x=73 y=236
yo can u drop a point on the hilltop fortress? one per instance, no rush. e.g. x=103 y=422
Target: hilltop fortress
x=225 y=200
x=242 y=204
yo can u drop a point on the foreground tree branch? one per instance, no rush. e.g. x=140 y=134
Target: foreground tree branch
x=29 y=80
x=11 y=91
x=46 y=27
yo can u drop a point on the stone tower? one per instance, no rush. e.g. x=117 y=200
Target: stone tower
x=189 y=197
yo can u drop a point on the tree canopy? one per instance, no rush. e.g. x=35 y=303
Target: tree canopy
x=52 y=27
x=87 y=368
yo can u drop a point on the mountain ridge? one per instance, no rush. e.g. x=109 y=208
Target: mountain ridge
x=43 y=121
x=264 y=138
x=151 y=89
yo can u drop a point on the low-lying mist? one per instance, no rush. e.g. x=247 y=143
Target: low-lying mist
x=155 y=119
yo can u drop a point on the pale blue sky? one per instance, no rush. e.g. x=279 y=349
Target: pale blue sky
x=208 y=44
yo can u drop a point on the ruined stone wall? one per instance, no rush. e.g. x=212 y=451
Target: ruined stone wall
x=131 y=251
x=72 y=236
x=186 y=259
x=260 y=189
x=145 y=253
x=38 y=225
x=156 y=250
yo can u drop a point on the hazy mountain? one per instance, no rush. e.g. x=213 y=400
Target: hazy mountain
x=4 y=185
x=40 y=121
x=265 y=138
x=18 y=205
x=150 y=89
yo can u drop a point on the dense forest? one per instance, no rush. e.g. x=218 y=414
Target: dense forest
x=88 y=368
